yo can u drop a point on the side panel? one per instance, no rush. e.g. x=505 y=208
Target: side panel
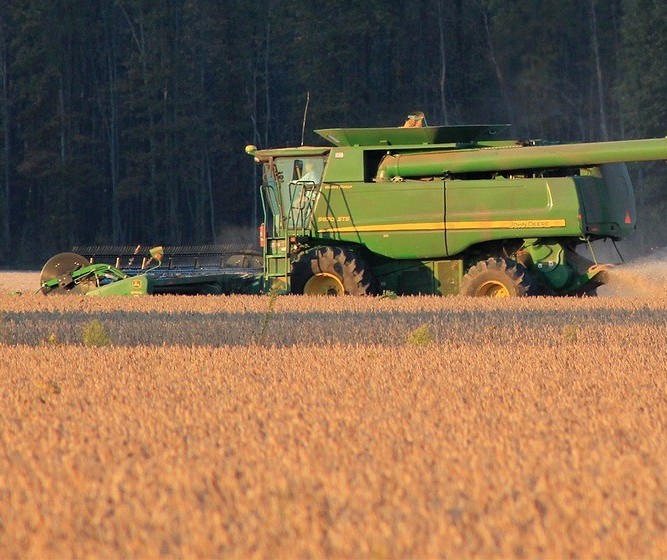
x=409 y=277
x=494 y=209
x=400 y=220
x=608 y=201
x=345 y=165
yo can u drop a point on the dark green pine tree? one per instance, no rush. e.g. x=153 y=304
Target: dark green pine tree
x=57 y=170
x=642 y=93
x=6 y=151
x=125 y=120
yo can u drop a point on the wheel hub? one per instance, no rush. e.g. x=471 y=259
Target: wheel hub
x=324 y=284
x=493 y=288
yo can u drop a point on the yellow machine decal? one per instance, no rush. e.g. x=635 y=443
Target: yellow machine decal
x=331 y=219
x=451 y=226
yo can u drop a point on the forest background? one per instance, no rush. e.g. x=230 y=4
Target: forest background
x=124 y=121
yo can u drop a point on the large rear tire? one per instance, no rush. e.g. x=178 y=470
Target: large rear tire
x=499 y=278
x=332 y=271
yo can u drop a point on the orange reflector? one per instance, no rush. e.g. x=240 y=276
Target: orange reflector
x=628 y=218
x=262 y=235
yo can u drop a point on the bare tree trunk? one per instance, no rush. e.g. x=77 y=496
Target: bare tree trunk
x=443 y=62
x=256 y=139
x=67 y=129
x=61 y=118
x=267 y=91
x=112 y=129
x=5 y=205
x=209 y=186
x=598 y=72
x=494 y=61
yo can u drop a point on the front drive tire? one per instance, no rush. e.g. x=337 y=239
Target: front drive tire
x=496 y=278
x=331 y=271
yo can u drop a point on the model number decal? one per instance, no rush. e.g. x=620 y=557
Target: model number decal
x=330 y=219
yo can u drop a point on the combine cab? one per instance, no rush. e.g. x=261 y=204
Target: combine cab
x=413 y=210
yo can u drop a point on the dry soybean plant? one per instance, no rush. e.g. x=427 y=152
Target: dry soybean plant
x=358 y=427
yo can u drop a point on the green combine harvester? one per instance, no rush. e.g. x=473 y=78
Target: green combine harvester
x=407 y=210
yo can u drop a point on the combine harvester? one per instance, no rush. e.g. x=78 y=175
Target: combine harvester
x=408 y=210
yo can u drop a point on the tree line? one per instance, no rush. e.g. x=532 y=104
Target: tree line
x=124 y=121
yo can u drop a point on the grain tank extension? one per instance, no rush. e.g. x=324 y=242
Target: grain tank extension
x=445 y=210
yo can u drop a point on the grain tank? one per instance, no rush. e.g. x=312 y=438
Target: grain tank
x=444 y=210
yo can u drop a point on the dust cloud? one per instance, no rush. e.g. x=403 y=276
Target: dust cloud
x=644 y=277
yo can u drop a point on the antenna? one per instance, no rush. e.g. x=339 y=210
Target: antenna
x=305 y=113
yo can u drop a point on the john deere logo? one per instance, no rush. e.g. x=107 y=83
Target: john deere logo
x=136 y=284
